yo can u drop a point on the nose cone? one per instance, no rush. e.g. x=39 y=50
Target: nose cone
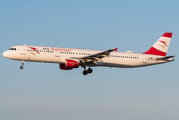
x=8 y=54
x=5 y=54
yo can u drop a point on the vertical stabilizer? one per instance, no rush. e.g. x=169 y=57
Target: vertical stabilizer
x=161 y=46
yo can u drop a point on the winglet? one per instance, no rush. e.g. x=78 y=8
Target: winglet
x=116 y=49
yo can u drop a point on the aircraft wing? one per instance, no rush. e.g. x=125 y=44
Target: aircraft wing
x=95 y=57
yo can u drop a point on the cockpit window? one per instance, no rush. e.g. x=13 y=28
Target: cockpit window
x=12 y=48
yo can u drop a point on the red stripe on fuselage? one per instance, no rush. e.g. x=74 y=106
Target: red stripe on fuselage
x=154 y=51
x=34 y=49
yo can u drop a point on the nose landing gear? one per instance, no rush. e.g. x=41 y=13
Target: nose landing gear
x=85 y=72
x=22 y=63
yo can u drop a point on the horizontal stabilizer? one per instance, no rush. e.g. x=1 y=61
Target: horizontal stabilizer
x=165 y=58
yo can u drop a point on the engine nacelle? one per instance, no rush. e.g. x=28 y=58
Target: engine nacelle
x=71 y=63
x=63 y=67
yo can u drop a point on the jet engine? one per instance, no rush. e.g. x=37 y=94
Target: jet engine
x=69 y=64
x=72 y=63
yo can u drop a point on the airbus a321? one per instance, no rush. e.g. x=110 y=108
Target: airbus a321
x=69 y=58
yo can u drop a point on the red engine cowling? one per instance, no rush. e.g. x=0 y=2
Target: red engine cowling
x=63 y=67
x=72 y=63
x=69 y=64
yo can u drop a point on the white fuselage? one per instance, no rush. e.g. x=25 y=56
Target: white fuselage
x=58 y=55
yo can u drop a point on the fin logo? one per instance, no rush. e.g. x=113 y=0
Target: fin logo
x=34 y=49
x=164 y=42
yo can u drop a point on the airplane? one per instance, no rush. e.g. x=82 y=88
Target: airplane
x=69 y=58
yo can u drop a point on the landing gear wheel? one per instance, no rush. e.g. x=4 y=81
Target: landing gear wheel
x=22 y=63
x=89 y=70
x=21 y=67
x=85 y=72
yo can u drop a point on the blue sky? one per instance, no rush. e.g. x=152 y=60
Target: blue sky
x=43 y=91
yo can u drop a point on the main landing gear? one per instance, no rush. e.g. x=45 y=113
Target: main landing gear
x=85 y=72
x=22 y=63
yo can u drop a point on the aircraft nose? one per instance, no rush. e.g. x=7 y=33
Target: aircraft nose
x=5 y=54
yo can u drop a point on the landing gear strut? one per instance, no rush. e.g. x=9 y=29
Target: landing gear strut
x=85 y=72
x=22 y=63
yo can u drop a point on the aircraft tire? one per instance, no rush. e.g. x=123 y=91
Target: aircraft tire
x=89 y=70
x=21 y=67
x=85 y=72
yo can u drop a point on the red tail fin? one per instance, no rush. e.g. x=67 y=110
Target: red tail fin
x=161 y=46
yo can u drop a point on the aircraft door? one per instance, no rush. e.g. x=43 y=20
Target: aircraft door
x=57 y=53
x=23 y=50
